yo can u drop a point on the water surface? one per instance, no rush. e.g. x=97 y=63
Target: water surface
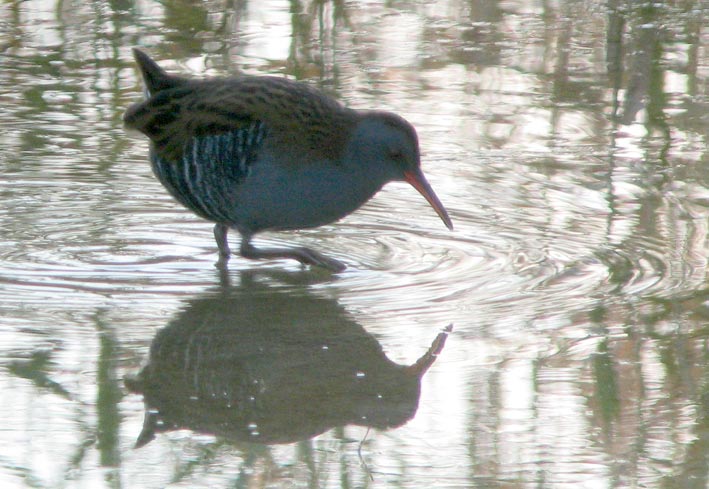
x=568 y=142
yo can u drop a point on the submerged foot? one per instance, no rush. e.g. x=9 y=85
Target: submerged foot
x=303 y=255
x=312 y=257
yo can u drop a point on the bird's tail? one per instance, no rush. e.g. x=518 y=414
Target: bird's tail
x=155 y=78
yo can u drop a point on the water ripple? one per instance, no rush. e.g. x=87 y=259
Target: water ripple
x=393 y=266
x=544 y=242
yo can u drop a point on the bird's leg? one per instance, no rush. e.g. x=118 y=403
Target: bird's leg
x=303 y=255
x=220 y=235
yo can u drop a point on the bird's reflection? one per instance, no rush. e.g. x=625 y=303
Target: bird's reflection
x=252 y=363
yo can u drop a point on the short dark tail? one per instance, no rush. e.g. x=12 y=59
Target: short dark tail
x=155 y=78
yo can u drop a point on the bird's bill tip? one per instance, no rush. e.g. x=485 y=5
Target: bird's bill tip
x=424 y=363
x=419 y=182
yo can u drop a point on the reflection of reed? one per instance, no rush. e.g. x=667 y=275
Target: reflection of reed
x=647 y=391
x=644 y=88
x=251 y=364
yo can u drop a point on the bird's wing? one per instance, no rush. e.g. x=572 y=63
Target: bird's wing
x=293 y=114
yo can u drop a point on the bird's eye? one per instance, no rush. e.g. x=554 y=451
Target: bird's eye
x=396 y=154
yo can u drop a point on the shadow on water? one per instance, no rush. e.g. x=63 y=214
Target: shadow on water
x=251 y=364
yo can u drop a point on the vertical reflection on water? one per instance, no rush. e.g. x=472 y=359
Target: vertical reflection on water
x=107 y=400
x=631 y=392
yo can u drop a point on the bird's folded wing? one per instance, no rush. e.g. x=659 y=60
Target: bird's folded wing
x=293 y=114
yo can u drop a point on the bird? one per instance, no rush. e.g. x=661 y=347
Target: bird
x=253 y=153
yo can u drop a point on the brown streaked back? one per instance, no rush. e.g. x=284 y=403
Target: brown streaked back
x=294 y=114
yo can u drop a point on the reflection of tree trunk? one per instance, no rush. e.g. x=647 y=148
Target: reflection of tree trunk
x=645 y=53
x=645 y=76
x=328 y=15
x=108 y=396
x=693 y=32
x=645 y=49
x=614 y=50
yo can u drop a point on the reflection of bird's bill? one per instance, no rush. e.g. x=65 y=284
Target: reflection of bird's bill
x=424 y=363
x=419 y=182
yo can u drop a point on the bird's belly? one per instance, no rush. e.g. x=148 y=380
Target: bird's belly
x=270 y=196
x=297 y=198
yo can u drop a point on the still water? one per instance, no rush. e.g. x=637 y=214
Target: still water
x=568 y=141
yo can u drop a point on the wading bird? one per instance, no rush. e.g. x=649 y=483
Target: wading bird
x=256 y=153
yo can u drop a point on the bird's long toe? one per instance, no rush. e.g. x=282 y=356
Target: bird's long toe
x=304 y=255
x=312 y=257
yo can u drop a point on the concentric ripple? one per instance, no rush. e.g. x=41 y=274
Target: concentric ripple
x=523 y=246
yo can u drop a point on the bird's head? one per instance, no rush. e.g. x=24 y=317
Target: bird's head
x=389 y=145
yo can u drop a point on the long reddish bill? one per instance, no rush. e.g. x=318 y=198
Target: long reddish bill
x=419 y=182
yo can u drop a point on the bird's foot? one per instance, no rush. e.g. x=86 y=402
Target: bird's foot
x=312 y=257
x=222 y=262
x=220 y=235
x=305 y=256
